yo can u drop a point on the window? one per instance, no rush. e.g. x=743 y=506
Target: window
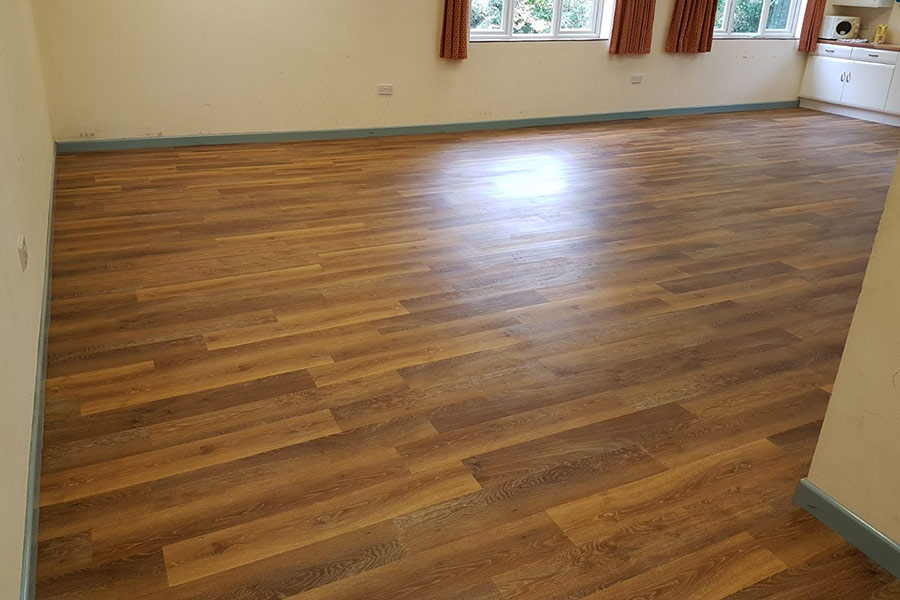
x=536 y=19
x=756 y=18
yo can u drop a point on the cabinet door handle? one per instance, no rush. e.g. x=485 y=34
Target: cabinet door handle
x=874 y=55
x=842 y=77
x=829 y=51
x=848 y=76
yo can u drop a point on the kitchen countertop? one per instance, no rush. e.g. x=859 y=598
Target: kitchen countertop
x=894 y=47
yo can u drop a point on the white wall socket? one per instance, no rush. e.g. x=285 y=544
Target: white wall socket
x=23 y=252
x=385 y=89
x=637 y=78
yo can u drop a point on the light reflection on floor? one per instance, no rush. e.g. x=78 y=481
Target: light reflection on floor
x=528 y=176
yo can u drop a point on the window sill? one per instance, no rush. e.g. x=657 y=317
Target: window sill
x=754 y=37
x=491 y=40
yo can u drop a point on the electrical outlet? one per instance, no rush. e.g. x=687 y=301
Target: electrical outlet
x=637 y=78
x=23 y=252
x=385 y=89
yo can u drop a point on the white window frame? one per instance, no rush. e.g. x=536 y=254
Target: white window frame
x=762 y=32
x=505 y=32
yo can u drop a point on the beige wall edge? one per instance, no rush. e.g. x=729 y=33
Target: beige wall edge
x=26 y=159
x=857 y=460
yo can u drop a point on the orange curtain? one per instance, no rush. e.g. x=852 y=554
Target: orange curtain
x=455 y=35
x=632 y=27
x=693 y=22
x=812 y=24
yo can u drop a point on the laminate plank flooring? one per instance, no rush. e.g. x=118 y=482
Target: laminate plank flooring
x=568 y=362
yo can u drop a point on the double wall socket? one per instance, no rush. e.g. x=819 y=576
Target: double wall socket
x=385 y=89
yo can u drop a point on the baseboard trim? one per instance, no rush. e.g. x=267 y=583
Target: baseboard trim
x=32 y=504
x=854 y=113
x=849 y=526
x=334 y=134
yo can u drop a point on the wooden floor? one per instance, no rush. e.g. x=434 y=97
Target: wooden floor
x=568 y=362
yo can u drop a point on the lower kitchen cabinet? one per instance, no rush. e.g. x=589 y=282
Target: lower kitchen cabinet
x=824 y=79
x=854 y=77
x=867 y=85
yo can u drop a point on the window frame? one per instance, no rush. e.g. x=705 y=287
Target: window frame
x=505 y=33
x=762 y=32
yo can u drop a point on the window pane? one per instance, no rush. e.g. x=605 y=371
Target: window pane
x=577 y=14
x=720 y=14
x=486 y=14
x=779 y=12
x=532 y=16
x=746 y=16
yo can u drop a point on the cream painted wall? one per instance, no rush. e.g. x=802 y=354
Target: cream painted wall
x=177 y=67
x=26 y=159
x=857 y=459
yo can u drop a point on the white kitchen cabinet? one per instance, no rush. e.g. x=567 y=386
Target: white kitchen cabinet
x=824 y=78
x=893 y=100
x=885 y=57
x=866 y=85
x=834 y=51
x=855 y=77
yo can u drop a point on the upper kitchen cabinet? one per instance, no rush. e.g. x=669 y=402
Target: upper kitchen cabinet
x=865 y=3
